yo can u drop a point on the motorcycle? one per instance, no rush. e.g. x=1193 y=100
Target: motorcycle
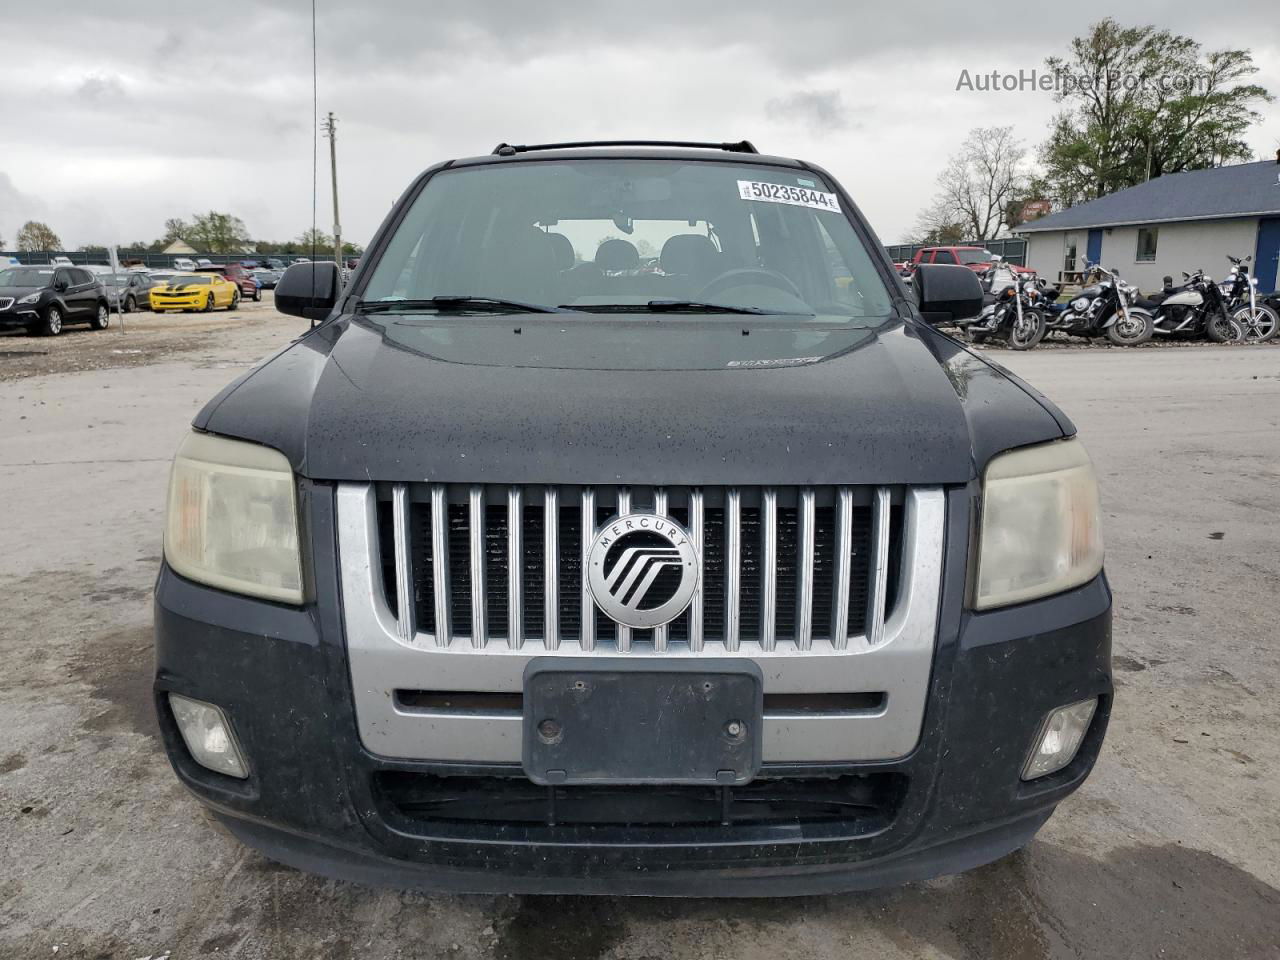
x=1106 y=308
x=1196 y=308
x=1010 y=311
x=1258 y=321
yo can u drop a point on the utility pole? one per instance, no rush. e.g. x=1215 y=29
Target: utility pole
x=331 y=131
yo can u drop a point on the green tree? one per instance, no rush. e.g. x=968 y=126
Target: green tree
x=35 y=236
x=314 y=237
x=1140 y=103
x=215 y=232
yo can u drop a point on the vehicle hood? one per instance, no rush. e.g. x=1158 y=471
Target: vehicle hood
x=536 y=399
x=18 y=291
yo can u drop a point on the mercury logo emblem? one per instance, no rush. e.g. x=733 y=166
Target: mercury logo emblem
x=642 y=570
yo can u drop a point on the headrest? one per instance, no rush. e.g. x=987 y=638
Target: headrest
x=689 y=253
x=615 y=254
x=562 y=250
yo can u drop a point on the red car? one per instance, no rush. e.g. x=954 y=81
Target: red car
x=976 y=259
x=238 y=275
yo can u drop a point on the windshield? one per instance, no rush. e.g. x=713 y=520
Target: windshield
x=975 y=256
x=616 y=234
x=190 y=281
x=25 y=277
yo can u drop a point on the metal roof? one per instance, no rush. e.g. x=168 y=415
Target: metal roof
x=1240 y=190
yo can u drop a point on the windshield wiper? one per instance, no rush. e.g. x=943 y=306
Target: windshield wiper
x=685 y=306
x=486 y=304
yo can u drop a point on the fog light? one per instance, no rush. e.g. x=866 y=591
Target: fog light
x=208 y=736
x=1059 y=739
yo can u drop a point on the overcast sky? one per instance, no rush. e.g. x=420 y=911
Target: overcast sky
x=114 y=122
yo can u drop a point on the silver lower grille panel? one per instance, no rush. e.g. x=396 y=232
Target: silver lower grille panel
x=456 y=587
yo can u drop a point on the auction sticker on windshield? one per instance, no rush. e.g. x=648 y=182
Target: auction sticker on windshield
x=782 y=193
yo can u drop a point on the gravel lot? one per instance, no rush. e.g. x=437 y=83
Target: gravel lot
x=1171 y=850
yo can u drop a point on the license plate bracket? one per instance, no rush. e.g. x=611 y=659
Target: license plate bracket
x=644 y=721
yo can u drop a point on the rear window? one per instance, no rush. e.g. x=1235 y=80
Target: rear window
x=598 y=233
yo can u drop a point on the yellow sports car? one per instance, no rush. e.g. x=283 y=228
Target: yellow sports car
x=195 y=291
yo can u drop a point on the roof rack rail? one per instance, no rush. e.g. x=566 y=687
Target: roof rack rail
x=510 y=150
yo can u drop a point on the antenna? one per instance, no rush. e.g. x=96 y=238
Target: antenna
x=315 y=145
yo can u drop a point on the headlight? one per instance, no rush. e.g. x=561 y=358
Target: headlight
x=233 y=518
x=31 y=298
x=1041 y=532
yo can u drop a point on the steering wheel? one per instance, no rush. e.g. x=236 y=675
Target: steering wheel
x=749 y=276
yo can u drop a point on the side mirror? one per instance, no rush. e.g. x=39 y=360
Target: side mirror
x=947 y=292
x=308 y=290
x=60 y=285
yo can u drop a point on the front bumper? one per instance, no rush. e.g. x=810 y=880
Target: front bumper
x=313 y=798
x=178 y=303
x=19 y=316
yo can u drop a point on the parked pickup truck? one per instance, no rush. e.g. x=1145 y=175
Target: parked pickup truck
x=249 y=287
x=976 y=259
x=526 y=570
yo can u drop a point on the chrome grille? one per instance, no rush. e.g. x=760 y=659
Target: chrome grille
x=6 y=303
x=783 y=568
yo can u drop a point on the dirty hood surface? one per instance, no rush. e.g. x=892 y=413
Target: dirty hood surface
x=602 y=399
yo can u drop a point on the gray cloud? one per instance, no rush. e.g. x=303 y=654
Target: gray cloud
x=16 y=208
x=101 y=88
x=154 y=120
x=821 y=111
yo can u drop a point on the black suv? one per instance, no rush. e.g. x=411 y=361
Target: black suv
x=534 y=568
x=45 y=298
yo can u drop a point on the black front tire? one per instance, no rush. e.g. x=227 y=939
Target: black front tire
x=102 y=318
x=257 y=295
x=1222 y=329
x=51 y=323
x=1035 y=328
x=1258 y=326
x=1138 y=329
x=208 y=304
x=130 y=304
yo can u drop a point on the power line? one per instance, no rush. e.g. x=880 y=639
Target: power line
x=315 y=141
x=315 y=144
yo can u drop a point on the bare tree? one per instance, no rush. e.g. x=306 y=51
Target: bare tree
x=979 y=182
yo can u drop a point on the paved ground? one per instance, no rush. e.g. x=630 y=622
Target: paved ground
x=1171 y=850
